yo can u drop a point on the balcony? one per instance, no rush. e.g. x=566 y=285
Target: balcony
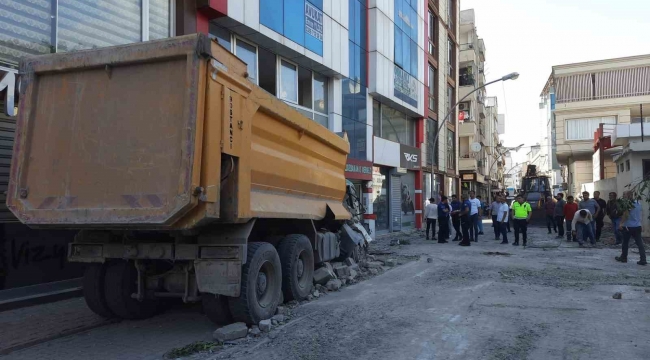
x=624 y=133
x=464 y=90
x=467 y=164
x=466 y=79
x=467 y=129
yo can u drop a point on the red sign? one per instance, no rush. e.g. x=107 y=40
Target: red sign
x=358 y=170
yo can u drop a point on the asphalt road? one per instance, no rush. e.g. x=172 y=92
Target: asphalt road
x=551 y=300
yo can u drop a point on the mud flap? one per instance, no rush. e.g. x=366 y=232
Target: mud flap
x=220 y=277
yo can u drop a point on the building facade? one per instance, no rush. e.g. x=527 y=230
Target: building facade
x=382 y=72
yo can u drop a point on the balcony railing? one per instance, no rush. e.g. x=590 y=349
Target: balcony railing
x=467 y=80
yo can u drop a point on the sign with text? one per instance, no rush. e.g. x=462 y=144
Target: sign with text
x=313 y=21
x=409 y=157
x=358 y=170
x=406 y=87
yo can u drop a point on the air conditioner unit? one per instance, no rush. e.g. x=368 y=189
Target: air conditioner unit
x=463 y=106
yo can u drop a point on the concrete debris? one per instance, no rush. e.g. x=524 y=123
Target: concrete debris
x=255 y=331
x=324 y=274
x=390 y=262
x=350 y=262
x=342 y=271
x=353 y=274
x=310 y=297
x=618 y=296
x=394 y=242
x=231 y=332
x=316 y=294
x=371 y=257
x=374 y=271
x=281 y=310
x=374 y=265
x=333 y=285
x=265 y=325
x=279 y=318
x=429 y=260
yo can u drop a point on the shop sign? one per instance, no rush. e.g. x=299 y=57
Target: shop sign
x=8 y=84
x=406 y=87
x=470 y=177
x=313 y=21
x=409 y=157
x=358 y=170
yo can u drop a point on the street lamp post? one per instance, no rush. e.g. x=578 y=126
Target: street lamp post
x=499 y=154
x=508 y=172
x=511 y=76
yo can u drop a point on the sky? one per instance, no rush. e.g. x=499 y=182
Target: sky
x=531 y=36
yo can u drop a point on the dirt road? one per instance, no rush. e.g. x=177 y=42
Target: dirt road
x=488 y=301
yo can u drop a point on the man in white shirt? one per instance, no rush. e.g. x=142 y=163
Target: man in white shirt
x=583 y=219
x=431 y=214
x=494 y=212
x=474 y=216
x=502 y=219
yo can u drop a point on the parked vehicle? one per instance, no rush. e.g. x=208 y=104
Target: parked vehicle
x=185 y=179
x=535 y=189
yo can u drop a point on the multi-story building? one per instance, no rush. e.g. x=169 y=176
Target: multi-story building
x=582 y=96
x=383 y=72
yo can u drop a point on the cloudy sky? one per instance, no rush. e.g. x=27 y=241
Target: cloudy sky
x=530 y=36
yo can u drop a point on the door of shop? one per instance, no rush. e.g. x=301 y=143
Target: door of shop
x=396 y=203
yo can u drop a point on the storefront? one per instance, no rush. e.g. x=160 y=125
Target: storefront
x=380 y=204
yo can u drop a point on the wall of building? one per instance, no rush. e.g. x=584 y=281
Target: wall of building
x=581 y=172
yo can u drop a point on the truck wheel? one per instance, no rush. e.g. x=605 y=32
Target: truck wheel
x=216 y=308
x=120 y=282
x=261 y=285
x=297 y=258
x=93 y=290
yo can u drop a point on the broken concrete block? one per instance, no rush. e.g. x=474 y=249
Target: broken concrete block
x=310 y=297
x=231 y=332
x=316 y=294
x=281 y=310
x=255 y=331
x=278 y=318
x=374 y=265
x=323 y=275
x=354 y=267
x=350 y=262
x=373 y=271
x=618 y=296
x=353 y=274
x=342 y=271
x=390 y=262
x=333 y=285
x=265 y=325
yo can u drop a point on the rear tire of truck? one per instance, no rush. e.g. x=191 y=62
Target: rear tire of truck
x=261 y=285
x=216 y=308
x=297 y=258
x=119 y=283
x=93 y=290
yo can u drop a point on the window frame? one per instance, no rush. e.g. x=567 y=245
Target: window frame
x=432 y=87
x=588 y=138
x=431 y=32
x=297 y=82
x=238 y=38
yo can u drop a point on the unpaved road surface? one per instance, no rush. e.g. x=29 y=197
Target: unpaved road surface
x=487 y=301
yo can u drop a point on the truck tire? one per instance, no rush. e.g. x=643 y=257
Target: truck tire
x=93 y=290
x=261 y=285
x=216 y=308
x=119 y=283
x=297 y=258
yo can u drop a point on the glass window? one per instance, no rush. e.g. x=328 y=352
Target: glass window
x=414 y=59
x=380 y=203
x=288 y=81
x=271 y=14
x=432 y=87
x=376 y=119
x=399 y=53
x=627 y=165
x=88 y=24
x=363 y=21
x=357 y=16
x=248 y=54
x=304 y=88
x=451 y=51
x=451 y=101
x=406 y=53
x=451 y=150
x=268 y=71
x=396 y=126
x=583 y=129
x=294 y=20
x=352 y=23
x=321 y=119
x=158 y=19
x=357 y=136
x=363 y=71
x=222 y=35
x=432 y=130
x=16 y=41
x=352 y=55
x=320 y=93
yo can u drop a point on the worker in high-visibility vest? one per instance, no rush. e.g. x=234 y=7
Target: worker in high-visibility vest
x=520 y=214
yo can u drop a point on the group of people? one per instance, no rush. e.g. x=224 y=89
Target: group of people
x=584 y=219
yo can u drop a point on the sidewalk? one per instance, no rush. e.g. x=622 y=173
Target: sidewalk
x=39 y=294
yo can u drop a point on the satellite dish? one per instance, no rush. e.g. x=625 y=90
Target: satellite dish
x=475 y=147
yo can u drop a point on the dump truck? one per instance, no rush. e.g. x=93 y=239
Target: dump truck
x=184 y=179
x=535 y=189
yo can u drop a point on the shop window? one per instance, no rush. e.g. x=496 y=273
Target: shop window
x=223 y=36
x=248 y=54
x=268 y=71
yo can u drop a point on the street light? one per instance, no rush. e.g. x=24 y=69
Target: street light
x=515 y=149
x=511 y=76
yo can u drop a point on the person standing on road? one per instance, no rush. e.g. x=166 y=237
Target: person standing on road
x=494 y=212
x=549 y=208
x=466 y=221
x=584 y=219
x=600 y=216
x=558 y=213
x=591 y=205
x=630 y=226
x=480 y=215
x=474 y=215
x=521 y=212
x=443 y=219
x=431 y=214
x=570 y=209
x=503 y=211
x=614 y=215
x=455 y=217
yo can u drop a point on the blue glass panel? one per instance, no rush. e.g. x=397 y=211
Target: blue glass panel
x=357 y=27
x=414 y=59
x=406 y=53
x=349 y=127
x=352 y=23
x=314 y=44
x=398 y=13
x=294 y=20
x=271 y=12
x=363 y=70
x=351 y=56
x=414 y=4
x=359 y=140
x=363 y=26
x=357 y=63
x=414 y=25
x=360 y=105
x=319 y=3
x=348 y=89
x=399 y=54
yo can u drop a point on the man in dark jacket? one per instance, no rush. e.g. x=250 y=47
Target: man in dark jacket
x=559 y=215
x=549 y=207
x=614 y=216
x=600 y=215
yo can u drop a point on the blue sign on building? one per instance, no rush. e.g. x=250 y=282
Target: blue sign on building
x=298 y=20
